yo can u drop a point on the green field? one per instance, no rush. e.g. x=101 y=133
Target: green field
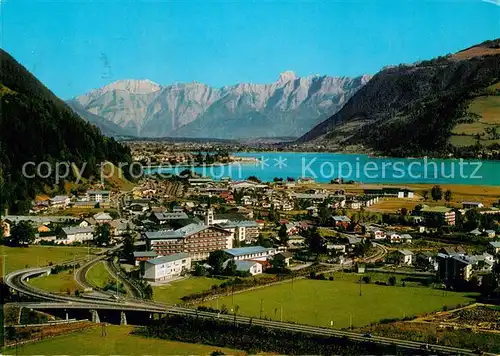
x=488 y=107
x=34 y=256
x=118 y=341
x=321 y=302
x=173 y=292
x=56 y=283
x=98 y=275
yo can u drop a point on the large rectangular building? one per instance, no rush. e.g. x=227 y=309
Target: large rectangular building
x=195 y=239
x=440 y=214
x=166 y=267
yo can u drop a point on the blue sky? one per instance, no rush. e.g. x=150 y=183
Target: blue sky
x=74 y=46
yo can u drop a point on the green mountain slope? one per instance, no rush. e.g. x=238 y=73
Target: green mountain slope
x=36 y=126
x=413 y=109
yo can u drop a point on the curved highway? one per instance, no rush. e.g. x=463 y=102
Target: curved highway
x=17 y=281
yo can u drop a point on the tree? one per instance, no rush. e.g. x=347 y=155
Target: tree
x=315 y=241
x=283 y=235
x=472 y=219
x=148 y=292
x=254 y=179
x=262 y=241
x=216 y=260
x=278 y=264
x=448 y=196
x=128 y=247
x=199 y=270
x=103 y=235
x=22 y=233
x=230 y=269
x=436 y=193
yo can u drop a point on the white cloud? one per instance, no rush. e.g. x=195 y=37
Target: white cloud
x=494 y=2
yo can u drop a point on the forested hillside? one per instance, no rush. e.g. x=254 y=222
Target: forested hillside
x=36 y=126
x=412 y=110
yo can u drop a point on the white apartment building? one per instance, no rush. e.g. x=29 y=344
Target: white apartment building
x=166 y=267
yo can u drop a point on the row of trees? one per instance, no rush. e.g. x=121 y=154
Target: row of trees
x=437 y=194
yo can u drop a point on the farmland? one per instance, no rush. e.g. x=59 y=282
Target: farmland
x=117 y=341
x=338 y=302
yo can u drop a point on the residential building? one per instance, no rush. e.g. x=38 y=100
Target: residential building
x=353 y=204
x=405 y=257
x=376 y=233
x=440 y=214
x=164 y=218
x=71 y=235
x=393 y=236
x=243 y=231
x=142 y=256
x=472 y=205
x=454 y=268
x=490 y=233
x=102 y=218
x=284 y=256
x=197 y=240
x=341 y=221
x=406 y=238
x=427 y=261
x=84 y=204
x=166 y=267
x=99 y=196
x=59 y=201
x=453 y=251
x=255 y=253
x=494 y=247
x=251 y=267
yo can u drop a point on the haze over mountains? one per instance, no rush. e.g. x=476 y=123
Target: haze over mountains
x=288 y=107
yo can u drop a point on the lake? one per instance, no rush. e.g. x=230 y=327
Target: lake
x=324 y=167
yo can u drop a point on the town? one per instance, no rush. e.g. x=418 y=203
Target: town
x=193 y=241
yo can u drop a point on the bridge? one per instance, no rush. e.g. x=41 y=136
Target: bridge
x=142 y=312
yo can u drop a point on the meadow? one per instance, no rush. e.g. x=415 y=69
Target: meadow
x=338 y=303
x=117 y=341
x=488 y=107
x=98 y=275
x=172 y=292
x=20 y=257
x=56 y=283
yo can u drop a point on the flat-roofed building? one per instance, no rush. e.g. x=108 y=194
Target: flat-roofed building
x=254 y=253
x=472 y=205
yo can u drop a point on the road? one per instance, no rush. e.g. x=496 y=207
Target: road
x=16 y=281
x=382 y=251
x=131 y=288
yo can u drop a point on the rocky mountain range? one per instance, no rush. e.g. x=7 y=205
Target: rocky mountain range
x=288 y=107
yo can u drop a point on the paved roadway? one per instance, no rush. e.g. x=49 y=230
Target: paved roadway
x=16 y=281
